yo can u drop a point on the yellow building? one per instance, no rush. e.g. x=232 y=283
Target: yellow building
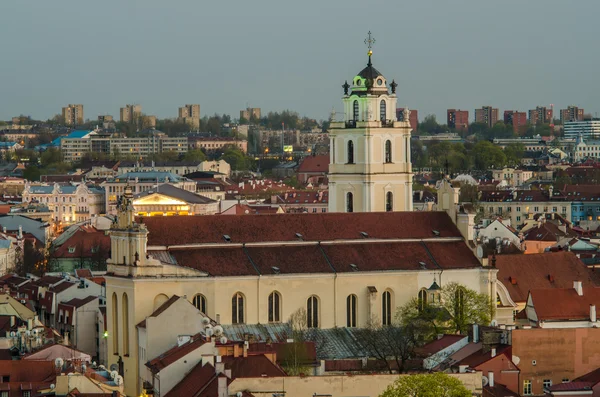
x=73 y=114
x=168 y=200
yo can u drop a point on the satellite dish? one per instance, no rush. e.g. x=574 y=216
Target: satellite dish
x=83 y=368
x=114 y=367
x=114 y=374
x=210 y=332
x=102 y=367
x=208 y=326
x=484 y=381
x=239 y=394
x=93 y=364
x=205 y=320
x=479 y=251
x=59 y=362
x=218 y=330
x=119 y=380
x=223 y=340
x=52 y=386
x=12 y=334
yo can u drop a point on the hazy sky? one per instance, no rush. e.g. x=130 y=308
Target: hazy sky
x=281 y=54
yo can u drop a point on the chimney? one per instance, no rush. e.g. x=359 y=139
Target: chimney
x=462 y=369
x=593 y=313
x=491 y=378
x=577 y=286
x=475 y=333
x=219 y=365
x=493 y=352
x=222 y=387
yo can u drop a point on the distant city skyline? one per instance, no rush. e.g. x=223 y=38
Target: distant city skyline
x=463 y=54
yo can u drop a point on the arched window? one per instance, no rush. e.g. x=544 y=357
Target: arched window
x=386 y=308
x=388 y=151
x=422 y=299
x=237 y=308
x=159 y=300
x=312 y=312
x=355 y=111
x=200 y=302
x=115 y=324
x=349 y=202
x=274 y=307
x=350 y=152
x=125 y=322
x=351 y=311
x=382 y=111
x=389 y=201
x=459 y=308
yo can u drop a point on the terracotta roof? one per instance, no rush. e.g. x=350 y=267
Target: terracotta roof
x=572 y=386
x=200 y=381
x=520 y=273
x=83 y=273
x=160 y=309
x=76 y=302
x=62 y=287
x=47 y=281
x=564 y=303
x=440 y=344
x=252 y=367
x=479 y=357
x=82 y=243
x=313 y=227
x=498 y=390
x=28 y=371
x=547 y=231
x=315 y=164
x=174 y=354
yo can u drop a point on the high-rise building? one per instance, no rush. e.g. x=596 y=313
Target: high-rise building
x=250 y=114
x=130 y=113
x=458 y=119
x=541 y=115
x=413 y=117
x=190 y=114
x=571 y=113
x=487 y=115
x=515 y=118
x=73 y=114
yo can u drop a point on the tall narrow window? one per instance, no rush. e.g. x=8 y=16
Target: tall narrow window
x=351 y=311
x=389 y=201
x=312 y=312
x=407 y=151
x=422 y=300
x=355 y=111
x=115 y=324
x=200 y=302
x=382 y=111
x=274 y=307
x=386 y=308
x=349 y=202
x=388 y=151
x=350 y=152
x=125 y=313
x=237 y=308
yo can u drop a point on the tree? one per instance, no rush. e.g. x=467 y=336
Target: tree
x=485 y=155
x=296 y=352
x=195 y=155
x=32 y=173
x=514 y=153
x=431 y=126
x=392 y=345
x=51 y=156
x=32 y=260
x=236 y=159
x=437 y=384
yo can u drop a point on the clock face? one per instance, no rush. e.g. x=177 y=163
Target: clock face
x=379 y=82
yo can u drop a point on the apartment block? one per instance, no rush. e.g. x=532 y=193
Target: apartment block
x=130 y=112
x=73 y=114
x=487 y=115
x=571 y=113
x=457 y=119
x=216 y=143
x=190 y=114
x=250 y=113
x=515 y=118
x=541 y=115
x=413 y=118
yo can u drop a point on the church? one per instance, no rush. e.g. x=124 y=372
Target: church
x=344 y=269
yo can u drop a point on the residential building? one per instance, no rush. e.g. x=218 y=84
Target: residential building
x=586 y=128
x=517 y=119
x=68 y=203
x=585 y=202
x=27 y=378
x=370 y=168
x=73 y=114
x=586 y=385
x=312 y=201
x=216 y=143
x=313 y=169
x=148 y=122
x=80 y=247
x=500 y=231
x=571 y=113
x=250 y=114
x=486 y=115
x=105 y=119
x=173 y=167
x=448 y=137
x=583 y=150
x=20 y=226
x=514 y=177
x=168 y=200
x=413 y=118
x=190 y=114
x=541 y=115
x=457 y=119
x=9 y=147
x=130 y=113
x=77 y=322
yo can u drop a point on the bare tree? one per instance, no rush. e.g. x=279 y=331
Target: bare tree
x=296 y=352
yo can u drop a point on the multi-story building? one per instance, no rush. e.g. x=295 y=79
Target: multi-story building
x=515 y=118
x=73 y=114
x=250 y=114
x=571 y=113
x=216 y=143
x=587 y=128
x=148 y=122
x=487 y=115
x=413 y=118
x=107 y=118
x=190 y=114
x=541 y=115
x=174 y=167
x=513 y=177
x=67 y=203
x=458 y=119
x=130 y=112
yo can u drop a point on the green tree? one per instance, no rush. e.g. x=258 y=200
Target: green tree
x=236 y=159
x=51 y=156
x=392 y=345
x=430 y=125
x=32 y=173
x=196 y=155
x=514 y=153
x=478 y=128
x=437 y=384
x=485 y=155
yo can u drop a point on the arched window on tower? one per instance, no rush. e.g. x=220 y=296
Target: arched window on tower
x=382 y=111
x=312 y=312
x=274 y=307
x=422 y=300
x=349 y=202
x=125 y=313
x=388 y=151
x=355 y=111
x=351 y=311
x=389 y=201
x=115 y=323
x=350 y=152
x=386 y=308
x=200 y=302
x=237 y=308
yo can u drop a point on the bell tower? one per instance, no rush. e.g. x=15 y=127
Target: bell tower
x=370 y=167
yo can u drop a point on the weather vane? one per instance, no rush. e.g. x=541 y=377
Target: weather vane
x=369 y=41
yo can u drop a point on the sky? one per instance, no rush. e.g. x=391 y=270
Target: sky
x=278 y=54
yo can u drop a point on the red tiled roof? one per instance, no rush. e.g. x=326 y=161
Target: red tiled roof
x=313 y=227
x=82 y=242
x=520 y=273
x=479 y=357
x=76 y=302
x=498 y=390
x=28 y=371
x=62 y=287
x=547 y=231
x=47 y=281
x=84 y=273
x=201 y=381
x=440 y=344
x=252 y=367
x=564 y=303
x=315 y=164
x=593 y=377
x=175 y=353
x=160 y=309
x=572 y=386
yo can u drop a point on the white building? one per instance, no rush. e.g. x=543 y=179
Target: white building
x=588 y=128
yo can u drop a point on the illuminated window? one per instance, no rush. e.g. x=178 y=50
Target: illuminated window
x=527 y=387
